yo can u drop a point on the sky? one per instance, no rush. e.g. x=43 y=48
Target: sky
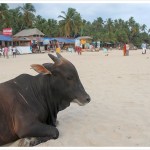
x=91 y=11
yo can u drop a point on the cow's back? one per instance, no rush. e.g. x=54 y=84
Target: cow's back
x=20 y=104
x=7 y=107
x=8 y=104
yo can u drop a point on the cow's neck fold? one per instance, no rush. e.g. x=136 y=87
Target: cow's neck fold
x=50 y=98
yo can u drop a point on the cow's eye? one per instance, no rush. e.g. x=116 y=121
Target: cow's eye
x=69 y=78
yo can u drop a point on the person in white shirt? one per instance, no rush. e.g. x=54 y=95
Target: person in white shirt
x=14 y=50
x=1 y=53
x=127 y=49
x=143 y=48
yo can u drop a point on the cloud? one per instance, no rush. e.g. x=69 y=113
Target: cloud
x=91 y=11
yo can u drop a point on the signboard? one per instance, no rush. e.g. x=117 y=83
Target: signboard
x=7 y=31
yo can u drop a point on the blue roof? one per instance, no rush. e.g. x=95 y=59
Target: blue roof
x=5 y=38
x=64 y=40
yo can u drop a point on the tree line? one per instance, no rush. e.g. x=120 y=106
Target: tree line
x=71 y=24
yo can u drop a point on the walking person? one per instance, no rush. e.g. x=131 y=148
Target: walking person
x=6 y=52
x=1 y=53
x=14 y=51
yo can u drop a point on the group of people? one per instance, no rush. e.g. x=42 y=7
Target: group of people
x=126 y=48
x=5 y=50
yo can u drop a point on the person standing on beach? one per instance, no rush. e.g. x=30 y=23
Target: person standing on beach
x=143 y=46
x=6 y=52
x=80 y=50
x=1 y=53
x=127 y=49
x=124 y=50
x=14 y=51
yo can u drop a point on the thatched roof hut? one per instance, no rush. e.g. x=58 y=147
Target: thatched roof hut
x=29 y=32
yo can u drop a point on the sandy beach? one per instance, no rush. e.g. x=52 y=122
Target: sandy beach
x=118 y=114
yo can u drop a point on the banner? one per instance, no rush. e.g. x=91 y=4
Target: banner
x=24 y=49
x=7 y=31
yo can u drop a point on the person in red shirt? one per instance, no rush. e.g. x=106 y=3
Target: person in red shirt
x=124 y=50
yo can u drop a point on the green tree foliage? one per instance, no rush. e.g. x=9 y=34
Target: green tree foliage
x=28 y=14
x=71 y=23
x=4 y=15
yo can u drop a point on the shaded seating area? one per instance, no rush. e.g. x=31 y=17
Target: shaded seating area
x=52 y=43
x=5 y=40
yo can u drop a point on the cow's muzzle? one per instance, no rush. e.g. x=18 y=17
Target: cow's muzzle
x=88 y=99
x=82 y=101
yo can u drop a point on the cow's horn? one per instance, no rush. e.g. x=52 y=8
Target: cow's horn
x=58 y=55
x=55 y=59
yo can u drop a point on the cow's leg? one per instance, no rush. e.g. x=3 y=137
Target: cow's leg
x=26 y=142
x=38 y=140
x=42 y=132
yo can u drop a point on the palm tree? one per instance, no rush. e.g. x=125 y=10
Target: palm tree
x=133 y=28
x=143 y=28
x=71 y=21
x=16 y=19
x=148 y=31
x=28 y=10
x=39 y=23
x=97 y=28
x=4 y=14
x=52 y=28
x=77 y=22
x=3 y=10
x=83 y=26
x=109 y=28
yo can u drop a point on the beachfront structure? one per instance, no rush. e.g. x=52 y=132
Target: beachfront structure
x=22 y=41
x=33 y=34
x=5 y=40
x=27 y=38
x=22 y=44
x=64 y=43
x=84 y=40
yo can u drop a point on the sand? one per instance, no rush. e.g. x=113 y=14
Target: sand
x=119 y=112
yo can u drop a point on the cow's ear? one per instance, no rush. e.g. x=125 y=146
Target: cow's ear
x=40 y=69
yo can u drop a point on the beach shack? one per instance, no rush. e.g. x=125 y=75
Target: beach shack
x=6 y=37
x=28 y=39
x=5 y=40
x=63 y=43
x=83 y=41
x=66 y=43
x=23 y=45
